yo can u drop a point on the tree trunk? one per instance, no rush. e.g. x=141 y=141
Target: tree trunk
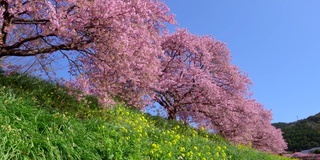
x=172 y=114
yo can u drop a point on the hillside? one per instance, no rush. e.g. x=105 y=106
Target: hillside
x=40 y=120
x=303 y=134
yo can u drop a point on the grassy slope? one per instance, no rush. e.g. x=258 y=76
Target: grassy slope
x=39 y=120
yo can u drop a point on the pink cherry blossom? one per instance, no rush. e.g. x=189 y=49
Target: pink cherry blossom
x=199 y=84
x=121 y=51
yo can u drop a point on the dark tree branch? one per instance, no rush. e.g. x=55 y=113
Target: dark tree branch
x=26 y=71
x=6 y=20
x=18 y=44
x=71 y=61
x=29 y=21
x=44 y=69
x=33 y=52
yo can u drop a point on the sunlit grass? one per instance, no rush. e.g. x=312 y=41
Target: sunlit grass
x=39 y=120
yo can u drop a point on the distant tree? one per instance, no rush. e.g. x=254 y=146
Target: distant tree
x=317 y=151
x=199 y=84
x=265 y=136
x=301 y=135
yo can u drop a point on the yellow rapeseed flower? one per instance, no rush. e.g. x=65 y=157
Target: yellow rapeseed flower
x=174 y=141
x=190 y=154
x=154 y=145
x=217 y=154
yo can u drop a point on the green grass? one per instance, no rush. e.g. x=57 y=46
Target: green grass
x=40 y=120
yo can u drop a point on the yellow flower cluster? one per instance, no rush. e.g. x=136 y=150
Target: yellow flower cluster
x=156 y=150
x=174 y=143
x=220 y=153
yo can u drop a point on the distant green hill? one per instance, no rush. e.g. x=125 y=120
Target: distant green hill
x=303 y=134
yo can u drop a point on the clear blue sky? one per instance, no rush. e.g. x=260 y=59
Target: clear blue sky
x=276 y=42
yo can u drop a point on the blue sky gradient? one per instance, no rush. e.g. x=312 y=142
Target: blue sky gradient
x=276 y=42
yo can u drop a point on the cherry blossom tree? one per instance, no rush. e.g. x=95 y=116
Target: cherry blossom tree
x=265 y=136
x=199 y=84
x=120 y=49
x=113 y=38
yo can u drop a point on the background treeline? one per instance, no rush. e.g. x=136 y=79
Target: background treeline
x=303 y=134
